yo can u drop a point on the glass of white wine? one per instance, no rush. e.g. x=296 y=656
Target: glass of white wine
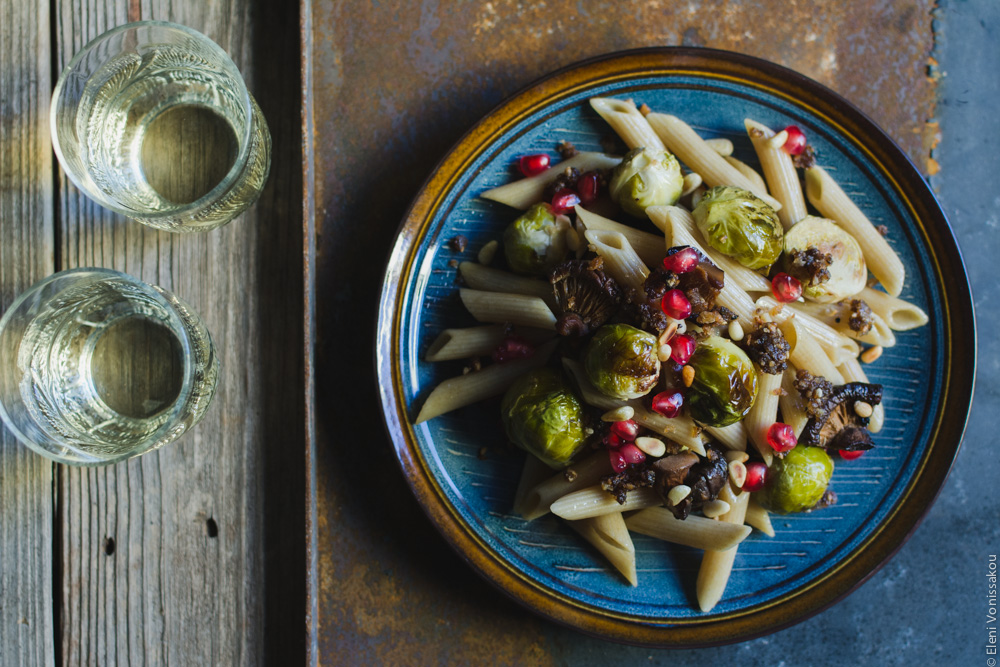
x=97 y=366
x=153 y=120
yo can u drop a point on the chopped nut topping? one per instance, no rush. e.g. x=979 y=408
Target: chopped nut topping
x=861 y=319
x=766 y=346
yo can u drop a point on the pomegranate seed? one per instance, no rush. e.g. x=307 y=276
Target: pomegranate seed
x=676 y=305
x=532 y=165
x=588 y=185
x=756 y=476
x=511 y=348
x=626 y=430
x=796 y=142
x=564 y=200
x=786 y=288
x=618 y=462
x=633 y=454
x=668 y=403
x=613 y=441
x=682 y=261
x=681 y=348
x=850 y=456
x=781 y=437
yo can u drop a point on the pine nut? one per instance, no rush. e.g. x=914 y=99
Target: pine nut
x=669 y=332
x=624 y=413
x=736 y=330
x=715 y=508
x=738 y=474
x=863 y=410
x=733 y=455
x=687 y=375
x=663 y=352
x=682 y=326
x=487 y=252
x=651 y=446
x=678 y=493
x=871 y=354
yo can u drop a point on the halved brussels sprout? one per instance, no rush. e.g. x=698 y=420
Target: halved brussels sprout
x=543 y=416
x=798 y=481
x=725 y=383
x=535 y=243
x=621 y=361
x=739 y=225
x=646 y=177
x=848 y=272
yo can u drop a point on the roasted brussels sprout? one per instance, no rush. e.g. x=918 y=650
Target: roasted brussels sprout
x=543 y=416
x=739 y=225
x=848 y=272
x=798 y=481
x=725 y=383
x=621 y=361
x=646 y=177
x=535 y=243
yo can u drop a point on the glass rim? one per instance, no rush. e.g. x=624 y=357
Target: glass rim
x=239 y=163
x=177 y=328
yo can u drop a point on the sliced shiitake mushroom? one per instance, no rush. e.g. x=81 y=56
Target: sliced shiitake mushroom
x=838 y=425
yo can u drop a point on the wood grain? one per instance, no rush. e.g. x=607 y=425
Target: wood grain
x=194 y=554
x=26 y=499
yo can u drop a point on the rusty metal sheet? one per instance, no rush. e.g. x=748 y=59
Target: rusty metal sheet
x=389 y=87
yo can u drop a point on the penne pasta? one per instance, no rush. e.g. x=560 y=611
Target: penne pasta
x=716 y=566
x=793 y=410
x=476 y=386
x=732 y=437
x=595 y=501
x=764 y=413
x=488 y=279
x=837 y=317
x=897 y=313
x=758 y=517
x=837 y=346
x=586 y=472
x=533 y=473
x=621 y=262
x=832 y=202
x=627 y=122
x=749 y=172
x=499 y=308
x=648 y=246
x=608 y=534
x=527 y=191
x=685 y=143
x=694 y=531
x=470 y=342
x=852 y=372
x=779 y=172
x=806 y=352
x=720 y=145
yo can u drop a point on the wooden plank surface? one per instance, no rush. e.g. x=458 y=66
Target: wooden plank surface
x=193 y=554
x=26 y=498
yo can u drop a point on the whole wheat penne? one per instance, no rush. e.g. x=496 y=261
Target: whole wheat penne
x=595 y=501
x=473 y=387
x=830 y=200
x=627 y=122
x=527 y=191
x=806 y=352
x=489 y=279
x=621 y=262
x=608 y=534
x=793 y=410
x=694 y=531
x=716 y=566
x=648 y=246
x=500 y=307
x=898 y=314
x=673 y=221
x=533 y=473
x=779 y=172
x=749 y=172
x=733 y=437
x=586 y=472
x=685 y=143
x=852 y=372
x=758 y=517
x=681 y=429
x=763 y=413
x=477 y=341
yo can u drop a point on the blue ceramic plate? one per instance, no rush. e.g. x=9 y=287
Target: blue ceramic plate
x=814 y=559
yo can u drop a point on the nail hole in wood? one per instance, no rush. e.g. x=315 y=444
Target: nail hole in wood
x=212 y=527
x=109 y=546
